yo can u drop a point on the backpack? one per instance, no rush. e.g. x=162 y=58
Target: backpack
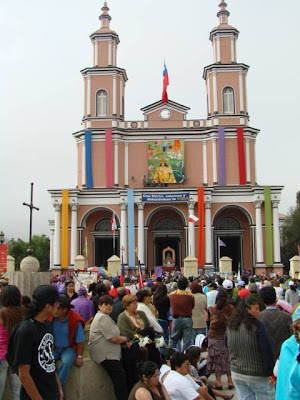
x=10 y=355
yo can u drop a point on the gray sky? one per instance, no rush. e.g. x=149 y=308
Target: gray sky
x=44 y=44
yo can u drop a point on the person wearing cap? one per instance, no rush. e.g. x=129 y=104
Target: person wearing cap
x=69 y=338
x=242 y=291
x=277 y=322
x=82 y=305
x=292 y=295
x=33 y=344
x=234 y=299
x=288 y=378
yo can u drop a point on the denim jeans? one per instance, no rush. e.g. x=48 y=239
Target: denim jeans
x=248 y=390
x=165 y=326
x=67 y=357
x=15 y=384
x=181 y=330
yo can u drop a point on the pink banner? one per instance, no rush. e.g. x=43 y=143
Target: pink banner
x=109 y=158
x=3 y=258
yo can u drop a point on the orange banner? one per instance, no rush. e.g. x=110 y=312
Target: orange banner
x=3 y=258
x=64 y=228
x=201 y=223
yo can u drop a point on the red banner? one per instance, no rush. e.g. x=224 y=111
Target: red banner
x=3 y=258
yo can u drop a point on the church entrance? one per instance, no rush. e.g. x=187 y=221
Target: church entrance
x=106 y=244
x=163 y=254
x=232 y=250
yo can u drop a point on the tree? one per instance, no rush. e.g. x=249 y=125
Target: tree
x=41 y=247
x=291 y=233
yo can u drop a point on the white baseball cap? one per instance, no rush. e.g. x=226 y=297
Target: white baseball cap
x=227 y=284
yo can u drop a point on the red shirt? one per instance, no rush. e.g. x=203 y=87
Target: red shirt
x=244 y=293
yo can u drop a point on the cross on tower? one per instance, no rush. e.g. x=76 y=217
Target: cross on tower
x=31 y=206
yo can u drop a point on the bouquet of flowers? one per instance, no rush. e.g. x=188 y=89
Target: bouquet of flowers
x=159 y=342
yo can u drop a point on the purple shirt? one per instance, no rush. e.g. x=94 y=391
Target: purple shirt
x=84 y=307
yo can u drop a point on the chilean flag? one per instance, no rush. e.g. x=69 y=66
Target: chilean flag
x=122 y=276
x=193 y=218
x=141 y=282
x=113 y=223
x=164 y=98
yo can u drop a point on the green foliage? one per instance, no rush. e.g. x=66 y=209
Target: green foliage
x=41 y=246
x=291 y=234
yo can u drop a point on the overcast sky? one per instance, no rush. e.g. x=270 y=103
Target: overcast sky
x=44 y=44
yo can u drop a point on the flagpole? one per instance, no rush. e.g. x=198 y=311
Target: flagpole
x=114 y=242
x=219 y=253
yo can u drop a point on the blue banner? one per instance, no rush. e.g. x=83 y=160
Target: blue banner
x=131 y=229
x=165 y=197
x=88 y=159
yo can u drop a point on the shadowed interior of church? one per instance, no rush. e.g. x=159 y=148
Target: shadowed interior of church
x=104 y=250
x=232 y=250
x=162 y=243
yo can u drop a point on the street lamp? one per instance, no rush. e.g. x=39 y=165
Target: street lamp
x=1 y=237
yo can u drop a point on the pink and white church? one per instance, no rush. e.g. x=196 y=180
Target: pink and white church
x=152 y=173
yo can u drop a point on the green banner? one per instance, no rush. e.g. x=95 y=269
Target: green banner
x=268 y=223
x=165 y=162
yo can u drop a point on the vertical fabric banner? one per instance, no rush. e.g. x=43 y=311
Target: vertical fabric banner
x=268 y=223
x=3 y=257
x=88 y=159
x=201 y=223
x=109 y=158
x=131 y=229
x=64 y=228
x=241 y=152
x=222 y=175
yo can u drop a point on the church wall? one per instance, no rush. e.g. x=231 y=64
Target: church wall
x=252 y=158
x=193 y=163
x=231 y=162
x=79 y=164
x=103 y=53
x=137 y=164
x=209 y=162
x=98 y=162
x=225 y=44
x=211 y=91
x=121 y=159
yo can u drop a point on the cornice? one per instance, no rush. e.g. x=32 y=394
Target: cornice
x=104 y=71
x=217 y=67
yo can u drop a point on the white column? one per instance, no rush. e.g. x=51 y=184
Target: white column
x=218 y=49
x=214 y=148
x=141 y=236
x=123 y=233
x=215 y=108
x=121 y=95
x=248 y=162
x=204 y=156
x=51 y=246
x=191 y=250
x=96 y=52
x=215 y=48
x=114 y=48
x=85 y=96
x=83 y=174
x=114 y=95
x=259 y=236
x=208 y=241
x=276 y=232
x=208 y=93
x=89 y=95
x=116 y=163
x=56 y=256
x=241 y=85
x=126 y=164
x=74 y=208
x=232 y=50
x=109 y=52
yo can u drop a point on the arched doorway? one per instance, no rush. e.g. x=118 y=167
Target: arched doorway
x=106 y=243
x=232 y=228
x=166 y=229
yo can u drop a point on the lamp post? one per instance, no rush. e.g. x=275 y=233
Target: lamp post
x=2 y=237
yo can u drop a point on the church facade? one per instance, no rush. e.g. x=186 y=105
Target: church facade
x=140 y=184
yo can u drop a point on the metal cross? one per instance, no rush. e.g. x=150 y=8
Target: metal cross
x=31 y=206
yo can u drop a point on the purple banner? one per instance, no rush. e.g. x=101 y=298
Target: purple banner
x=158 y=272
x=222 y=175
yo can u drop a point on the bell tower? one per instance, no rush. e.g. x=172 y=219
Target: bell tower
x=104 y=82
x=226 y=78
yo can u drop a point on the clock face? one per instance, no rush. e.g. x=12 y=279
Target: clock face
x=165 y=113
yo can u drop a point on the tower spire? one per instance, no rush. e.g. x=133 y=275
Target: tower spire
x=105 y=18
x=223 y=14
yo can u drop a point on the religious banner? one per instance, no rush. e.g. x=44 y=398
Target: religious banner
x=3 y=258
x=165 y=162
x=165 y=197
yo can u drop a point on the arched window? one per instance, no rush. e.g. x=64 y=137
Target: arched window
x=228 y=101
x=101 y=103
x=104 y=225
x=167 y=224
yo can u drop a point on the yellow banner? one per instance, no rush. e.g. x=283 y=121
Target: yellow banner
x=64 y=228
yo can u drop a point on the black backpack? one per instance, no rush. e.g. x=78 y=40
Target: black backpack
x=10 y=355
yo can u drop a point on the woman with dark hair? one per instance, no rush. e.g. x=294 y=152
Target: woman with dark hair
x=105 y=346
x=10 y=315
x=218 y=357
x=70 y=288
x=292 y=295
x=162 y=303
x=251 y=356
x=166 y=356
x=148 y=387
x=199 y=311
x=101 y=290
x=144 y=299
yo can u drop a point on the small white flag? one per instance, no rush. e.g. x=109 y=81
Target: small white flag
x=113 y=223
x=193 y=218
x=221 y=243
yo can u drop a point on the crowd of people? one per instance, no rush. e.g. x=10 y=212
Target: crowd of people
x=166 y=338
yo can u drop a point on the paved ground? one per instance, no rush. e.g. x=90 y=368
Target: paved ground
x=225 y=390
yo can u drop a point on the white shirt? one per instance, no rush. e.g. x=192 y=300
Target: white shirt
x=152 y=321
x=279 y=292
x=180 y=387
x=211 y=298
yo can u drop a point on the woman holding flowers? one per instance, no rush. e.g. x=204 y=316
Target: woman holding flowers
x=105 y=346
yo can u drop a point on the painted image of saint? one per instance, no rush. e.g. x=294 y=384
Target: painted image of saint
x=164 y=174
